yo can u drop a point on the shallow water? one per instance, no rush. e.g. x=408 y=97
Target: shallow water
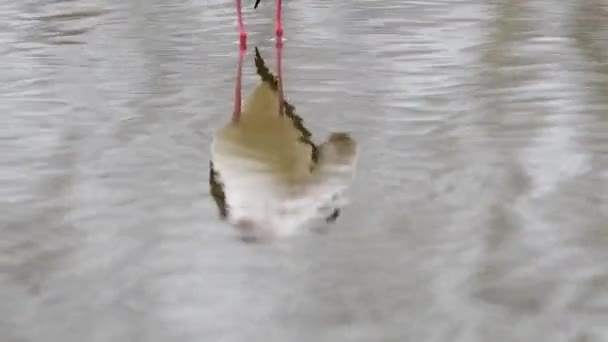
x=478 y=212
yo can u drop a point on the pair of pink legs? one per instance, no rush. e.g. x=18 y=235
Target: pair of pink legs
x=239 y=76
x=243 y=33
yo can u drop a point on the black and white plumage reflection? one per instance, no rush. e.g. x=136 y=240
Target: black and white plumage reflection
x=267 y=177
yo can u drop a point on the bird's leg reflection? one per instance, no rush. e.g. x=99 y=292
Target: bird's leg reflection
x=242 y=32
x=279 y=24
x=237 y=88
x=278 y=29
x=279 y=52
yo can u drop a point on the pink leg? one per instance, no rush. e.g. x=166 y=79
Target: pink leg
x=279 y=47
x=279 y=24
x=237 y=89
x=242 y=32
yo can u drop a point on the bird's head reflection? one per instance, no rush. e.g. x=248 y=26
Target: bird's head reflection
x=267 y=177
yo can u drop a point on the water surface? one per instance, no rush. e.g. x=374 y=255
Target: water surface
x=478 y=212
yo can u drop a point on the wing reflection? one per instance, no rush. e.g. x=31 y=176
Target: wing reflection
x=267 y=177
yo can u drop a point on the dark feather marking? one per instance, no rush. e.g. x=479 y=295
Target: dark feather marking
x=217 y=191
x=333 y=216
x=297 y=121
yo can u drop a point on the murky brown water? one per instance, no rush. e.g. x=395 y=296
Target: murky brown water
x=478 y=213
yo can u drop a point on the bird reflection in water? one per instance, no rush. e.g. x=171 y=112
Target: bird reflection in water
x=267 y=177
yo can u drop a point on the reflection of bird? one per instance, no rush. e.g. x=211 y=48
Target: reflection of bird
x=266 y=175
x=243 y=34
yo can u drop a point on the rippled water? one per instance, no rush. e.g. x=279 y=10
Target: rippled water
x=479 y=211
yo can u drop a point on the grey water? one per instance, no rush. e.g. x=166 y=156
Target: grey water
x=479 y=211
